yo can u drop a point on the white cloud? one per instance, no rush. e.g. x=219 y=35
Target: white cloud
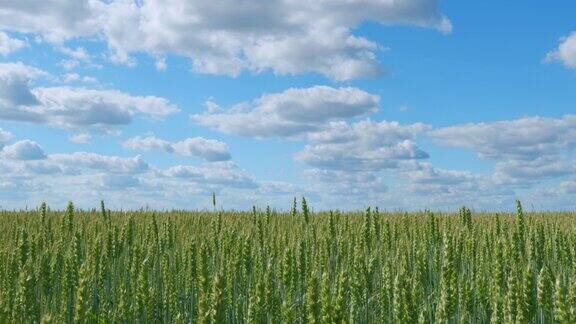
x=359 y=160
x=430 y=187
x=363 y=146
x=568 y=187
x=15 y=85
x=526 y=149
x=560 y=196
x=76 y=78
x=9 y=45
x=109 y=164
x=71 y=107
x=532 y=171
x=78 y=53
x=75 y=57
x=336 y=54
x=206 y=149
x=24 y=150
x=424 y=177
x=52 y=19
x=566 y=51
x=294 y=112
x=118 y=182
x=524 y=138
x=219 y=173
x=28 y=175
x=148 y=143
x=69 y=64
x=44 y=167
x=280 y=188
x=427 y=174
x=287 y=37
x=81 y=138
x=345 y=155
x=5 y=137
x=130 y=182
x=351 y=157
x=343 y=183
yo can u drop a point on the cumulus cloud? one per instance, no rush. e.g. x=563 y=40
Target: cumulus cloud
x=24 y=150
x=81 y=138
x=77 y=107
x=87 y=177
x=15 y=85
x=280 y=188
x=432 y=187
x=363 y=146
x=71 y=107
x=45 y=167
x=206 y=149
x=148 y=143
x=555 y=196
x=344 y=183
x=9 y=45
x=350 y=157
x=526 y=172
x=359 y=160
x=219 y=173
x=412 y=184
x=52 y=19
x=568 y=187
x=118 y=182
x=76 y=78
x=481 y=196
x=566 y=52
x=110 y=164
x=525 y=150
x=291 y=113
x=287 y=37
x=427 y=174
x=341 y=151
x=524 y=138
x=5 y=137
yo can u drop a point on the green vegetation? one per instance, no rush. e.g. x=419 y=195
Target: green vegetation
x=294 y=267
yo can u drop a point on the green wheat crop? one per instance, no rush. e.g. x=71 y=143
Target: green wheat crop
x=264 y=266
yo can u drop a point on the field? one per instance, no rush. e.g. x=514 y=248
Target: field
x=263 y=266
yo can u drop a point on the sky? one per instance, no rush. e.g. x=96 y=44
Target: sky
x=405 y=105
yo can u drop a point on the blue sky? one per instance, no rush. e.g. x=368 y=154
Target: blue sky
x=406 y=105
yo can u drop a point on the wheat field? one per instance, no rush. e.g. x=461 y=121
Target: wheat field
x=264 y=266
